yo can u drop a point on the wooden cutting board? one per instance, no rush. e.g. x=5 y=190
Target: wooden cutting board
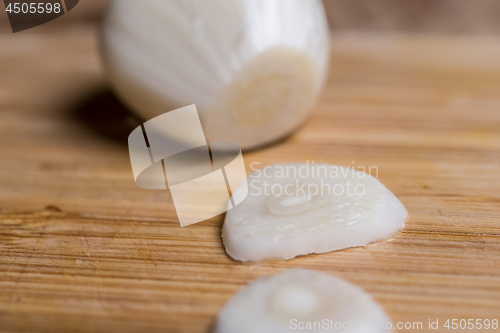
x=82 y=248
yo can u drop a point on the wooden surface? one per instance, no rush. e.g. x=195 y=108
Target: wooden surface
x=83 y=249
x=449 y=16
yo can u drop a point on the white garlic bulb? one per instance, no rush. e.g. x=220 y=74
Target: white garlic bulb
x=301 y=300
x=297 y=209
x=252 y=67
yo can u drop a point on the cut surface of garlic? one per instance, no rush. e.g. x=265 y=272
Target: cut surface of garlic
x=252 y=67
x=297 y=209
x=301 y=300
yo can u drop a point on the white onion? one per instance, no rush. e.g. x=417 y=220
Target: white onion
x=297 y=209
x=252 y=67
x=302 y=301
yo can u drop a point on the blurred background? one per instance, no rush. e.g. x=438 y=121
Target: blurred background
x=436 y=16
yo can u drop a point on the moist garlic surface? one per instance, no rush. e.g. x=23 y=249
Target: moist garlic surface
x=296 y=209
x=253 y=68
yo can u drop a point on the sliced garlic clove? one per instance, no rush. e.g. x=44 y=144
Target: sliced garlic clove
x=296 y=300
x=253 y=68
x=297 y=209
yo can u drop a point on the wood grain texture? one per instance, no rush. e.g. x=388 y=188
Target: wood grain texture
x=444 y=16
x=82 y=249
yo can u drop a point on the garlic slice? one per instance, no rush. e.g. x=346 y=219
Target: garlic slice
x=252 y=67
x=297 y=209
x=301 y=300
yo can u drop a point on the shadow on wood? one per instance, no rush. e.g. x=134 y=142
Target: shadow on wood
x=104 y=114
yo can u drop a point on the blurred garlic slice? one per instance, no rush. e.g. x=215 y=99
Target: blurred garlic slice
x=252 y=67
x=297 y=209
x=302 y=301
